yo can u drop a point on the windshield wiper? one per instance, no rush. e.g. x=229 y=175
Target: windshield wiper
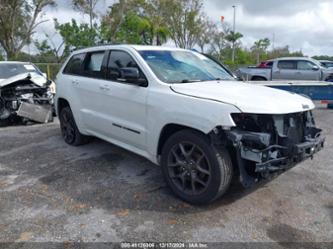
x=190 y=81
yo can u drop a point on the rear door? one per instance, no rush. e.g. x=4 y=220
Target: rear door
x=67 y=84
x=285 y=70
x=306 y=70
x=124 y=103
x=87 y=85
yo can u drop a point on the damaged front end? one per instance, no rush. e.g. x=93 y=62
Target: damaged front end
x=265 y=145
x=24 y=99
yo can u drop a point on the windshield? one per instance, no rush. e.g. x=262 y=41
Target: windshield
x=8 y=70
x=327 y=64
x=183 y=66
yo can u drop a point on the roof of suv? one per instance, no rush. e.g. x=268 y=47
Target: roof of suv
x=136 y=47
x=14 y=62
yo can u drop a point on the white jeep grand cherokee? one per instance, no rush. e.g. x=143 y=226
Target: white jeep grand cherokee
x=185 y=112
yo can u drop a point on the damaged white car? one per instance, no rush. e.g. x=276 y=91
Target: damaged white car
x=25 y=94
x=185 y=112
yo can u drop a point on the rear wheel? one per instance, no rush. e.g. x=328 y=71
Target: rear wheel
x=69 y=130
x=194 y=169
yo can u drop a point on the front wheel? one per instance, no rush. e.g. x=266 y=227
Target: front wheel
x=195 y=170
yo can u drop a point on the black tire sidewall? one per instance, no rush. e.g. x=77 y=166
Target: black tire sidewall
x=78 y=137
x=214 y=188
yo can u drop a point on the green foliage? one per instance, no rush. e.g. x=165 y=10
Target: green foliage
x=260 y=48
x=18 y=20
x=76 y=35
x=233 y=36
x=134 y=30
x=134 y=21
x=184 y=19
x=323 y=57
x=113 y=21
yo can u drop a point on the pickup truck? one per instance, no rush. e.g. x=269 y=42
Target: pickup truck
x=186 y=113
x=290 y=68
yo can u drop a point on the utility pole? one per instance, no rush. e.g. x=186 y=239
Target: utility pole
x=273 y=42
x=234 y=32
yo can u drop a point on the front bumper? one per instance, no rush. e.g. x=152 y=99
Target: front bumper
x=269 y=158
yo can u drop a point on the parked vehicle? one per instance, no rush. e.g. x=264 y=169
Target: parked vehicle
x=25 y=93
x=185 y=112
x=326 y=63
x=293 y=68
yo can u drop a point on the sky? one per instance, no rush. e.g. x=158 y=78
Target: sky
x=305 y=25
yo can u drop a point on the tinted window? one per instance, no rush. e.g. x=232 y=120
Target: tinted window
x=270 y=64
x=74 y=64
x=118 y=60
x=287 y=64
x=305 y=65
x=93 y=64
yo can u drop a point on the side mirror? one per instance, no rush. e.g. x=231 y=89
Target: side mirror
x=132 y=75
x=315 y=68
x=129 y=73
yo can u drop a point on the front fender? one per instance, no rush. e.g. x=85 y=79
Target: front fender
x=196 y=113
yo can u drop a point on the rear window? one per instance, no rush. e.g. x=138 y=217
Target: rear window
x=74 y=65
x=93 y=64
x=286 y=64
x=270 y=64
x=8 y=70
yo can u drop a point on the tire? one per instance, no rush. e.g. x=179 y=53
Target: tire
x=258 y=78
x=69 y=130
x=187 y=157
x=3 y=123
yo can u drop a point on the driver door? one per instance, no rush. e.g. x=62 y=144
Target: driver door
x=124 y=103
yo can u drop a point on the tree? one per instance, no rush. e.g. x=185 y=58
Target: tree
x=218 y=45
x=283 y=52
x=260 y=47
x=87 y=7
x=134 y=30
x=159 y=31
x=184 y=21
x=76 y=35
x=208 y=34
x=113 y=21
x=134 y=21
x=18 y=20
x=233 y=37
x=48 y=50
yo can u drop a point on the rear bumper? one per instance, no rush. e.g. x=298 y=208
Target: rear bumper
x=269 y=158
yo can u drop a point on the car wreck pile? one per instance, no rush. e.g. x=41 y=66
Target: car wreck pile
x=26 y=98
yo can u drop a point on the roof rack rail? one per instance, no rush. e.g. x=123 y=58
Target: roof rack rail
x=97 y=45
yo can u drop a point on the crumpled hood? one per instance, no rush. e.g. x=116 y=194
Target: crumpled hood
x=35 y=78
x=249 y=98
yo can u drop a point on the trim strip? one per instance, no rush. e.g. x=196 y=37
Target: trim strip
x=126 y=128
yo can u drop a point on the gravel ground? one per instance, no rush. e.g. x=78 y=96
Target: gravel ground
x=50 y=191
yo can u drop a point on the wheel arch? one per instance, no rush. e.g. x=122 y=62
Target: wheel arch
x=170 y=129
x=258 y=77
x=61 y=103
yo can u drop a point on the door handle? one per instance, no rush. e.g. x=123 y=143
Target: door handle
x=75 y=82
x=104 y=88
